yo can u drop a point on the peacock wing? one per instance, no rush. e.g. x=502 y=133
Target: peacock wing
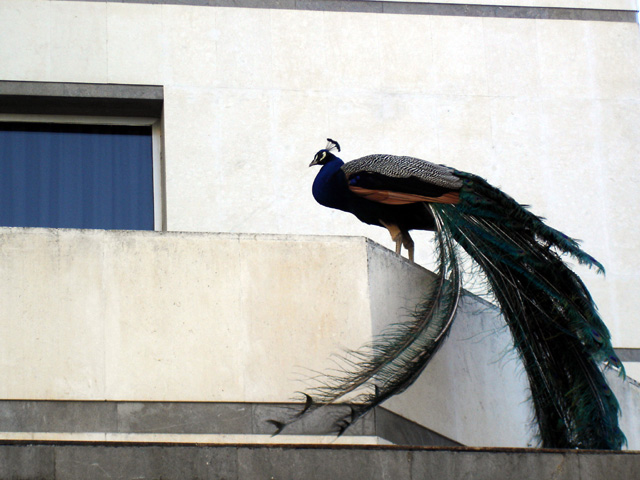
x=399 y=180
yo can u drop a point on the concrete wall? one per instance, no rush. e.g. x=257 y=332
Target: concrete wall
x=144 y=316
x=192 y=317
x=547 y=109
x=95 y=315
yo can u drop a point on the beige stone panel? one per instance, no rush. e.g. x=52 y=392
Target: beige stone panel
x=78 y=42
x=464 y=132
x=517 y=153
x=191 y=126
x=298 y=131
x=191 y=37
x=407 y=53
x=208 y=173
x=194 y=165
x=300 y=50
x=136 y=48
x=459 y=60
x=409 y=126
x=353 y=50
x=571 y=150
x=24 y=43
x=300 y=125
x=297 y=319
x=356 y=120
x=173 y=318
x=244 y=50
x=618 y=121
x=245 y=121
x=616 y=57
x=512 y=57
x=52 y=345
x=620 y=174
x=245 y=184
x=566 y=65
x=397 y=123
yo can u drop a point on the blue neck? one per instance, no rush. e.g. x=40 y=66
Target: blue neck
x=330 y=186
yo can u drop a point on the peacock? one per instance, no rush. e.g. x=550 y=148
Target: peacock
x=556 y=329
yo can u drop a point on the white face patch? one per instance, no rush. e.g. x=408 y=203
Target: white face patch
x=320 y=156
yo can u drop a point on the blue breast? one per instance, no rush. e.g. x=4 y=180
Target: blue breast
x=330 y=186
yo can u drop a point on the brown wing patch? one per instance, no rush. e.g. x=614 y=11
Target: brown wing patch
x=398 y=198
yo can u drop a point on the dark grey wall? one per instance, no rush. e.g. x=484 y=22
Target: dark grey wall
x=68 y=461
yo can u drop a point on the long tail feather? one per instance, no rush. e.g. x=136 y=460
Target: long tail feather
x=554 y=323
x=556 y=329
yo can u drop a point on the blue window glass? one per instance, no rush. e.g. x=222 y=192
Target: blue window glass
x=76 y=176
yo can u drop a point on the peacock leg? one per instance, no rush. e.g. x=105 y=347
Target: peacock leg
x=396 y=235
x=407 y=241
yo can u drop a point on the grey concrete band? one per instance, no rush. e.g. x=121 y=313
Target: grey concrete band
x=201 y=418
x=96 y=460
x=424 y=8
x=51 y=98
x=628 y=354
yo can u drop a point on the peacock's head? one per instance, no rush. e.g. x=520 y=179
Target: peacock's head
x=325 y=155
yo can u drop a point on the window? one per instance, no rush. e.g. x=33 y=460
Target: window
x=81 y=155
x=76 y=176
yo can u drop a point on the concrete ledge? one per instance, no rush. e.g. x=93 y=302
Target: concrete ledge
x=198 y=423
x=54 y=98
x=71 y=461
x=628 y=354
x=179 y=317
x=138 y=325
